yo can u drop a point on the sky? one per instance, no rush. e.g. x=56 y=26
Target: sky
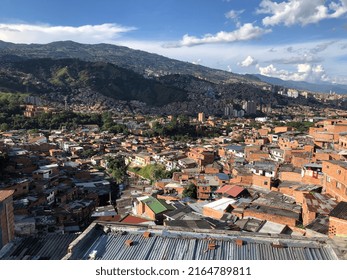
x=300 y=40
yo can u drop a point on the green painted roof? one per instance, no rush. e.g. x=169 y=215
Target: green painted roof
x=157 y=205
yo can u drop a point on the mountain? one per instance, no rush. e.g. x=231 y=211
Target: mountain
x=102 y=77
x=68 y=76
x=321 y=87
x=140 y=62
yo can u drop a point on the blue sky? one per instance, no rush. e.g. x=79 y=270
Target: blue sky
x=303 y=40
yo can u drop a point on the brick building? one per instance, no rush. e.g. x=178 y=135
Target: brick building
x=218 y=208
x=327 y=133
x=335 y=179
x=281 y=216
x=315 y=204
x=151 y=208
x=201 y=156
x=6 y=217
x=338 y=220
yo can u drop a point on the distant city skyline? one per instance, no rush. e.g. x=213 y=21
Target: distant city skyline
x=301 y=40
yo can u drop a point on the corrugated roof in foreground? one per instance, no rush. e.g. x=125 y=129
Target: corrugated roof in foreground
x=47 y=247
x=170 y=244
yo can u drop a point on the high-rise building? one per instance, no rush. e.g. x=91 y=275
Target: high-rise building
x=201 y=117
x=229 y=110
x=6 y=217
x=250 y=107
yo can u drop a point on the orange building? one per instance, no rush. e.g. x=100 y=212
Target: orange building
x=281 y=129
x=315 y=204
x=335 y=179
x=201 y=156
x=6 y=217
x=338 y=220
x=327 y=133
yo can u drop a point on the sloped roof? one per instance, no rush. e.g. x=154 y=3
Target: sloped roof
x=129 y=219
x=320 y=203
x=157 y=205
x=231 y=190
x=340 y=211
x=172 y=244
x=5 y=194
x=220 y=204
x=46 y=247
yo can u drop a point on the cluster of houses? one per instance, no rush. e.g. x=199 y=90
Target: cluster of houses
x=276 y=181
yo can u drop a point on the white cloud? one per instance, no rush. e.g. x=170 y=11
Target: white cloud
x=248 y=61
x=246 y=32
x=305 y=58
x=220 y=55
x=28 y=33
x=197 y=62
x=301 y=12
x=233 y=14
x=304 y=72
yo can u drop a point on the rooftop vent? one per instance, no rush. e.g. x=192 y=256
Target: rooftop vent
x=146 y=234
x=129 y=242
x=239 y=242
x=211 y=246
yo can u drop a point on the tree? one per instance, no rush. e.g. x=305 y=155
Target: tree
x=117 y=168
x=4 y=127
x=190 y=191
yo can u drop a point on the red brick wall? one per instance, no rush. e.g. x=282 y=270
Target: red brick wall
x=211 y=170
x=257 y=156
x=299 y=196
x=280 y=129
x=300 y=160
x=262 y=181
x=212 y=213
x=307 y=216
x=7 y=221
x=290 y=176
x=337 y=227
x=273 y=218
x=337 y=187
x=19 y=189
x=286 y=191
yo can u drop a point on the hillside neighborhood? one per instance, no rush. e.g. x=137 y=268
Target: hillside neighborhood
x=260 y=177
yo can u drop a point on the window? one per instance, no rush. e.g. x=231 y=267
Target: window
x=328 y=179
x=339 y=171
x=265 y=183
x=338 y=185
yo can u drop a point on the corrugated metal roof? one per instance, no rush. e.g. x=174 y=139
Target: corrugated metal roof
x=221 y=204
x=319 y=203
x=176 y=245
x=48 y=247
